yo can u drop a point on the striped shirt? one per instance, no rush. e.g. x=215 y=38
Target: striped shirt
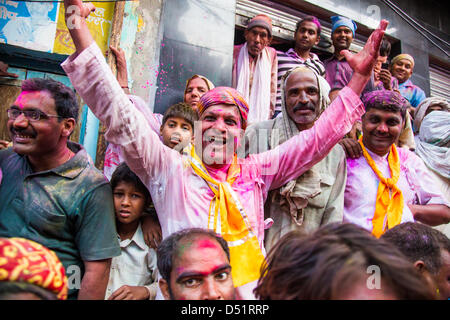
x=289 y=60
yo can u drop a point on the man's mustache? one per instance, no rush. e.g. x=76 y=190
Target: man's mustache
x=304 y=106
x=24 y=132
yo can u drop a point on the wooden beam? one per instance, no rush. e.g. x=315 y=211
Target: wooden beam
x=114 y=40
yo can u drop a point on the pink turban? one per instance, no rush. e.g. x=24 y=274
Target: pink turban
x=224 y=95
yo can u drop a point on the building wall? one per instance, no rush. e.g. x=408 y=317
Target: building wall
x=197 y=38
x=141 y=41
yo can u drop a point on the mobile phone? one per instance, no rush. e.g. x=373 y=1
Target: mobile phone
x=385 y=66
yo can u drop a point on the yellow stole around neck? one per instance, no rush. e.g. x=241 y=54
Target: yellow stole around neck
x=227 y=218
x=386 y=205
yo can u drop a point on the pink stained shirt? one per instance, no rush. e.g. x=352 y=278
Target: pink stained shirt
x=180 y=196
x=415 y=182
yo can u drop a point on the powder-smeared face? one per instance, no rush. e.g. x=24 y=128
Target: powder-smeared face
x=201 y=271
x=221 y=134
x=39 y=137
x=381 y=129
x=196 y=88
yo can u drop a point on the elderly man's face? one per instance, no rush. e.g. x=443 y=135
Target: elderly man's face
x=257 y=38
x=221 y=134
x=302 y=98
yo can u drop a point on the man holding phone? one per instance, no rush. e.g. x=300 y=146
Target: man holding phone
x=383 y=78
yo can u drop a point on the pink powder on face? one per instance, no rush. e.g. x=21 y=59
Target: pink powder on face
x=206 y=244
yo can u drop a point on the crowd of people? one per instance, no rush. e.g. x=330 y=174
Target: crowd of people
x=304 y=180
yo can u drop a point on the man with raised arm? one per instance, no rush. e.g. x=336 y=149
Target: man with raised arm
x=210 y=187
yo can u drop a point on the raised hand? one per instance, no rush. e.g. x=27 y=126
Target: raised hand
x=364 y=61
x=78 y=8
x=4 y=73
x=75 y=15
x=121 y=63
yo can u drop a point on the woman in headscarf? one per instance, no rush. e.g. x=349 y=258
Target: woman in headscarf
x=425 y=107
x=433 y=147
x=196 y=87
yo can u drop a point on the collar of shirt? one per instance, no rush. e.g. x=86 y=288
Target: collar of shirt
x=71 y=168
x=376 y=157
x=407 y=83
x=334 y=58
x=292 y=53
x=137 y=238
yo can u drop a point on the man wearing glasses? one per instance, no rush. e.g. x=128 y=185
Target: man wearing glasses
x=51 y=192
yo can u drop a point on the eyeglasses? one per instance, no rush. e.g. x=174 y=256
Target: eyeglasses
x=32 y=115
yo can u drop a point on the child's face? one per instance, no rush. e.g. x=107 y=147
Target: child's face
x=129 y=202
x=176 y=132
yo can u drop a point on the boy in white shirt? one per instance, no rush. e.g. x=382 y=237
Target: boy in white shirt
x=133 y=273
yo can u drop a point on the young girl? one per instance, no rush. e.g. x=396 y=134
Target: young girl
x=133 y=273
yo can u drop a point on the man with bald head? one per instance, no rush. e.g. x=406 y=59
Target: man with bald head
x=210 y=187
x=316 y=197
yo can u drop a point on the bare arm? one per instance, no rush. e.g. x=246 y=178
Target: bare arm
x=95 y=280
x=122 y=73
x=431 y=214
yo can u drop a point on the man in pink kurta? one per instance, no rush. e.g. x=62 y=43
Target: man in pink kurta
x=181 y=197
x=422 y=198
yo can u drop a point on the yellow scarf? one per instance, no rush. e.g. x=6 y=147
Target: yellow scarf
x=245 y=254
x=392 y=207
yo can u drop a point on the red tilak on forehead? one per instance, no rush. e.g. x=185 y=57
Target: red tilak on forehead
x=206 y=244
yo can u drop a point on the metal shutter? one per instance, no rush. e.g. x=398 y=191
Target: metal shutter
x=439 y=82
x=283 y=23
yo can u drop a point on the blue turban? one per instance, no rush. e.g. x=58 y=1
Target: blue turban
x=339 y=21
